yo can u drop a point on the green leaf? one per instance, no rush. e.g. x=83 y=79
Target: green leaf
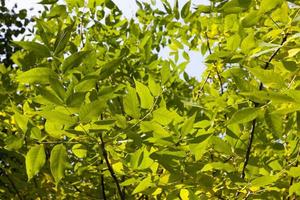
x=295 y=189
x=294 y=171
x=48 y=1
x=110 y=67
x=264 y=180
x=274 y=122
x=158 y=130
x=218 y=166
x=169 y=159
x=49 y=96
x=251 y=19
x=13 y=143
x=39 y=75
x=248 y=43
x=35 y=160
x=175 y=10
x=58 y=162
x=79 y=150
x=35 y=133
x=54 y=129
x=154 y=87
x=188 y=125
x=268 y=77
x=58 y=88
x=91 y=111
x=85 y=85
x=146 y=98
x=62 y=39
x=244 y=115
x=143 y=185
x=131 y=103
x=58 y=117
x=58 y=11
x=199 y=149
x=76 y=99
x=235 y=6
x=94 y=3
x=220 y=145
x=164 y=116
x=22 y=122
x=233 y=42
x=74 y=60
x=268 y=5
x=185 y=11
x=37 y=48
x=140 y=159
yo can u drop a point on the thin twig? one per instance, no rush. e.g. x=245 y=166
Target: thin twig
x=274 y=22
x=103 y=187
x=214 y=63
x=148 y=113
x=110 y=168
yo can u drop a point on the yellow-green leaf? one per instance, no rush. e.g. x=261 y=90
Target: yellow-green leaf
x=58 y=162
x=146 y=98
x=36 y=75
x=244 y=115
x=263 y=181
x=131 y=103
x=35 y=160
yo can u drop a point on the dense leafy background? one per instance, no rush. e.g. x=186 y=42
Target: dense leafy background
x=90 y=111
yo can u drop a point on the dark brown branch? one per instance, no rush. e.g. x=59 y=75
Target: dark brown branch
x=103 y=187
x=261 y=86
x=296 y=165
x=251 y=136
x=110 y=168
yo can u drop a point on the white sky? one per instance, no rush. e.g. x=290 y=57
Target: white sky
x=129 y=7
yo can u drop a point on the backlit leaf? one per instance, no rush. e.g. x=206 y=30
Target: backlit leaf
x=244 y=115
x=146 y=98
x=36 y=75
x=37 y=48
x=264 y=180
x=35 y=160
x=58 y=162
x=131 y=103
x=74 y=60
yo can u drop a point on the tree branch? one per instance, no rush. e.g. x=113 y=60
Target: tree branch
x=296 y=165
x=110 y=168
x=261 y=86
x=103 y=187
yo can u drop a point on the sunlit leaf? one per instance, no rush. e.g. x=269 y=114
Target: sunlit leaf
x=37 y=48
x=131 y=103
x=146 y=98
x=36 y=75
x=244 y=115
x=35 y=160
x=58 y=162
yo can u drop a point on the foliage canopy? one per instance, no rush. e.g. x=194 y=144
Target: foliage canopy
x=90 y=111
